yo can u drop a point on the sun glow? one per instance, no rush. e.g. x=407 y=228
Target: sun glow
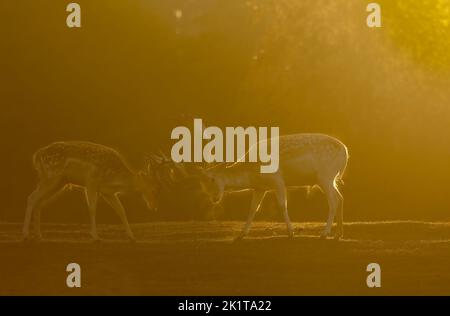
x=422 y=28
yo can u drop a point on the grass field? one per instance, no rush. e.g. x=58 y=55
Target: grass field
x=199 y=258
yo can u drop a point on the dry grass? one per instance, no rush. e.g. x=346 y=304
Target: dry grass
x=198 y=258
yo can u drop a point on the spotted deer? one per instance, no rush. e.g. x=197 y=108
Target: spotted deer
x=305 y=160
x=97 y=170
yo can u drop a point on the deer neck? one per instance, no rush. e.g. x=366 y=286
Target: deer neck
x=235 y=180
x=128 y=181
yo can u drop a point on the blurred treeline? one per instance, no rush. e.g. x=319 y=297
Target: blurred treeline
x=306 y=66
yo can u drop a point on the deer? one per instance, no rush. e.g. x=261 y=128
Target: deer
x=305 y=160
x=99 y=171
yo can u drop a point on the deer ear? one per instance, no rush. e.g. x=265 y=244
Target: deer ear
x=152 y=165
x=141 y=173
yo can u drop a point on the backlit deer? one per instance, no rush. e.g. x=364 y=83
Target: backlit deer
x=96 y=169
x=305 y=160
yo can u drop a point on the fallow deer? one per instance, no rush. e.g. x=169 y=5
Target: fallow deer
x=305 y=160
x=96 y=169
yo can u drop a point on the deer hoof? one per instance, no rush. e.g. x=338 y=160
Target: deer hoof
x=338 y=236
x=238 y=238
x=31 y=239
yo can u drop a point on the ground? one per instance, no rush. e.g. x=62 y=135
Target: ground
x=199 y=258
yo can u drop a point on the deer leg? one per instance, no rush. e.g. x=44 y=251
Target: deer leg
x=257 y=199
x=91 y=199
x=340 y=215
x=45 y=189
x=37 y=212
x=32 y=198
x=115 y=203
x=333 y=204
x=282 y=202
x=37 y=223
